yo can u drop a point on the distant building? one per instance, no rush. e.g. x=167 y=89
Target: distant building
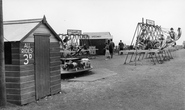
x=97 y=39
x=183 y=44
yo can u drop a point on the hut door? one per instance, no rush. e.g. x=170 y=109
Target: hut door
x=42 y=68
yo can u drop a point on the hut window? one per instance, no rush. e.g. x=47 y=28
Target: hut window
x=8 y=53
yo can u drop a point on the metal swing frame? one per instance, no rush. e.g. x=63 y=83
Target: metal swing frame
x=146 y=31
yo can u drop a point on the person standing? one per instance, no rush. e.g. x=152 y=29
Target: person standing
x=107 y=53
x=121 y=46
x=111 y=48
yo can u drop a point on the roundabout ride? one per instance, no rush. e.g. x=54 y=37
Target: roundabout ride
x=74 y=58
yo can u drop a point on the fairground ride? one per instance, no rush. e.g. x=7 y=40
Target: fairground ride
x=150 y=36
x=153 y=40
x=74 y=54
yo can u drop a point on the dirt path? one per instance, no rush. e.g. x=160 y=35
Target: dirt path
x=142 y=87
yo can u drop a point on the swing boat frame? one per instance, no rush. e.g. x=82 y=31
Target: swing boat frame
x=148 y=35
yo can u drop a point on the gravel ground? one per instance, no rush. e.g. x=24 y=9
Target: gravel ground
x=142 y=87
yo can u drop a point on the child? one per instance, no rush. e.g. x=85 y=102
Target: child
x=107 y=53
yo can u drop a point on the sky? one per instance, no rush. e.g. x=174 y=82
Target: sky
x=119 y=17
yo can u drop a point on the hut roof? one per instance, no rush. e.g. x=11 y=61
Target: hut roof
x=18 y=30
x=99 y=35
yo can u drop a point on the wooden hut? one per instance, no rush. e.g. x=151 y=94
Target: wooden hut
x=32 y=60
x=97 y=40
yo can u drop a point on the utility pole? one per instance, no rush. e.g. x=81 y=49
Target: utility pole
x=2 y=62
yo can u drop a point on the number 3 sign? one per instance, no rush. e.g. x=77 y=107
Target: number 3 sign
x=27 y=57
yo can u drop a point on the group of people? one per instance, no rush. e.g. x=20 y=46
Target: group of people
x=167 y=38
x=109 y=49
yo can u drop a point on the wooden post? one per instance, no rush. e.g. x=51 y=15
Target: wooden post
x=2 y=65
